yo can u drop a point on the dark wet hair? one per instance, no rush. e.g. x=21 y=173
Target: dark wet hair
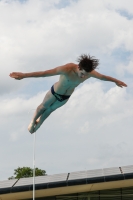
x=87 y=62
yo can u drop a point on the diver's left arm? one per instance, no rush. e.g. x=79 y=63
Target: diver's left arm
x=102 y=77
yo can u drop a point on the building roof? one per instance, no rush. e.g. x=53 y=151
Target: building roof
x=68 y=183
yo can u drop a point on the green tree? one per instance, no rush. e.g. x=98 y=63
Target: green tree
x=24 y=172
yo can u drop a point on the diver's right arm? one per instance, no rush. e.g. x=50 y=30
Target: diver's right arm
x=51 y=72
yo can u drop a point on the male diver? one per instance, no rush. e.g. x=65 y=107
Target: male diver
x=71 y=75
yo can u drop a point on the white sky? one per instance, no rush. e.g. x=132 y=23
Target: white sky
x=94 y=129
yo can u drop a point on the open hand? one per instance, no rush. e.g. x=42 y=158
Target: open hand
x=17 y=75
x=121 y=84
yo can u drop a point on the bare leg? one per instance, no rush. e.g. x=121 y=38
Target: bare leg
x=47 y=112
x=39 y=111
x=48 y=105
x=48 y=100
x=42 y=118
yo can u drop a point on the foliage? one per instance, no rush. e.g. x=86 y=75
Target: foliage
x=25 y=172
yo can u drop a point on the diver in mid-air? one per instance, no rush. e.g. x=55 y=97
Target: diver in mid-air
x=71 y=75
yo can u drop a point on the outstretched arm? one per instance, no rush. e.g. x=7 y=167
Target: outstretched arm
x=51 y=72
x=97 y=75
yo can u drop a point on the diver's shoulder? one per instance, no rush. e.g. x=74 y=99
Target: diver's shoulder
x=70 y=66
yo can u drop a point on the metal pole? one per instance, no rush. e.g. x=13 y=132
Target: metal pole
x=34 y=144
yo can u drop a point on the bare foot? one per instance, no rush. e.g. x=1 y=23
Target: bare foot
x=37 y=125
x=31 y=127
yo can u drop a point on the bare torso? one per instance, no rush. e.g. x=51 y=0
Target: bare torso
x=69 y=81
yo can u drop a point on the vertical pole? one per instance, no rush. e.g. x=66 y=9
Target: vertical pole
x=34 y=144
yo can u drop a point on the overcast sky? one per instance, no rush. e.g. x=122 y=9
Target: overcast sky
x=94 y=129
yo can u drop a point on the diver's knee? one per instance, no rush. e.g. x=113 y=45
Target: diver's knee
x=41 y=107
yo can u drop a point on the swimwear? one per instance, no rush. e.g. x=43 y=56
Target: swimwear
x=59 y=97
